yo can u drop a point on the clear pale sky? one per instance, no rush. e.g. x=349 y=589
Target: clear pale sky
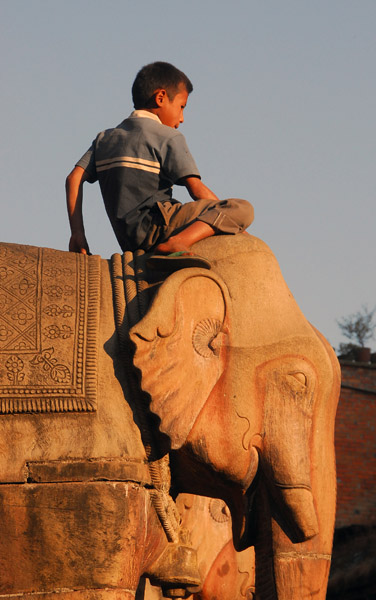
x=283 y=113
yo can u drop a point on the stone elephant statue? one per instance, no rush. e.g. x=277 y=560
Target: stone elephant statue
x=246 y=391
x=231 y=383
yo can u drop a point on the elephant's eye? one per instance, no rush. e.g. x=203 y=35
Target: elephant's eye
x=203 y=338
x=300 y=377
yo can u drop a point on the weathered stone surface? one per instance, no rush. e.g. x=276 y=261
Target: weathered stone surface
x=245 y=390
x=108 y=433
x=71 y=535
x=68 y=524
x=112 y=469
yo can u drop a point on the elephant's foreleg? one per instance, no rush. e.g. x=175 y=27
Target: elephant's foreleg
x=293 y=549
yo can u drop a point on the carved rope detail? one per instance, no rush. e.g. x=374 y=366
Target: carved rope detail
x=131 y=301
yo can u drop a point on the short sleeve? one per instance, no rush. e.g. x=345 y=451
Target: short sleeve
x=177 y=161
x=87 y=162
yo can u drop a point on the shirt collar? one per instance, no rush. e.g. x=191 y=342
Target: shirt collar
x=145 y=114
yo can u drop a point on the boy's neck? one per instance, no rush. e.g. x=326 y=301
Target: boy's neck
x=145 y=112
x=153 y=111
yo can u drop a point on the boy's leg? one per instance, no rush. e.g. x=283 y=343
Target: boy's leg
x=182 y=241
x=191 y=222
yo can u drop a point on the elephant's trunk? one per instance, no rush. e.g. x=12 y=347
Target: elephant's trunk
x=285 y=452
x=298 y=510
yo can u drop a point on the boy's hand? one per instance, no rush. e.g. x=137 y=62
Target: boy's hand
x=78 y=243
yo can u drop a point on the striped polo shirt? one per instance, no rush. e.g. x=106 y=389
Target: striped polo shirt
x=136 y=164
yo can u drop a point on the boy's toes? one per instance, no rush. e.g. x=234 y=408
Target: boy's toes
x=170 y=247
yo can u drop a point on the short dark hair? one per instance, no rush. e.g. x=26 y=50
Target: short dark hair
x=158 y=75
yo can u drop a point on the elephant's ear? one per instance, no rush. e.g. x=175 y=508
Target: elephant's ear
x=180 y=348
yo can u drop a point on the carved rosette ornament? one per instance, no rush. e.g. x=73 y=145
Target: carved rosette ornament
x=219 y=510
x=48 y=330
x=204 y=335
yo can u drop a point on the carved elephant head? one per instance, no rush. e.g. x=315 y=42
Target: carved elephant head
x=244 y=385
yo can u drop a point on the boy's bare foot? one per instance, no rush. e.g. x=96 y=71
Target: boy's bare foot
x=171 y=246
x=182 y=241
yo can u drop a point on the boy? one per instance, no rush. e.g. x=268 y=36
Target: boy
x=137 y=163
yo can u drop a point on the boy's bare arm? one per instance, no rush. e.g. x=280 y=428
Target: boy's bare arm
x=198 y=190
x=73 y=188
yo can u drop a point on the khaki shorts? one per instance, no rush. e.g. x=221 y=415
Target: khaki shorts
x=225 y=216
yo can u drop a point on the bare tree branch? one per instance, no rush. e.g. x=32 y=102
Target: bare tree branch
x=358 y=327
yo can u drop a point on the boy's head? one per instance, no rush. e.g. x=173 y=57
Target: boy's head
x=157 y=76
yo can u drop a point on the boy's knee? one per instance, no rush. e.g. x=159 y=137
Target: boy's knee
x=250 y=213
x=245 y=212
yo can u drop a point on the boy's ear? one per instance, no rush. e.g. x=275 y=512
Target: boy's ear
x=160 y=96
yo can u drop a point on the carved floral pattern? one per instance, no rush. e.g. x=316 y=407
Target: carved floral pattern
x=5 y=333
x=5 y=272
x=58 y=291
x=57 y=272
x=54 y=331
x=15 y=365
x=25 y=285
x=53 y=310
x=21 y=315
x=24 y=261
x=4 y=302
x=34 y=286
x=58 y=372
x=22 y=346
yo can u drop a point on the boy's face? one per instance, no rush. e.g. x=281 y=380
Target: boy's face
x=171 y=111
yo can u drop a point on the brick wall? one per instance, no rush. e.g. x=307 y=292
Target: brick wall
x=355 y=442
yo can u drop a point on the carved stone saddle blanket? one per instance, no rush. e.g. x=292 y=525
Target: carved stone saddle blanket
x=49 y=316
